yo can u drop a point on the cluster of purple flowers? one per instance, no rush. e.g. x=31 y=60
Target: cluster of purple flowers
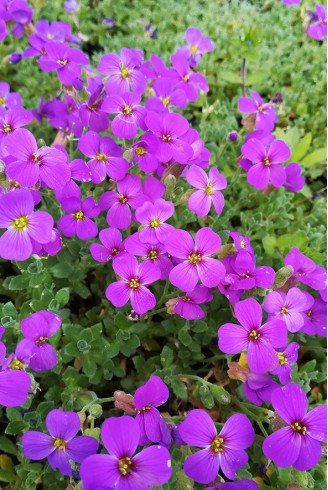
x=317 y=24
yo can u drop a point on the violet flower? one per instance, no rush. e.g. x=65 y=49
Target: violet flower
x=267 y=162
x=196 y=262
x=153 y=217
x=80 y=172
x=298 y=444
x=186 y=79
x=223 y=451
x=258 y=388
x=153 y=188
x=257 y=339
x=315 y=316
x=188 y=306
x=120 y=468
x=198 y=45
x=78 y=221
x=286 y=307
x=243 y=274
x=242 y=243
x=61 y=445
x=130 y=115
x=286 y=358
x=145 y=159
x=133 y=279
x=265 y=114
x=23 y=225
x=166 y=96
x=14 y=384
x=208 y=192
x=91 y=113
x=154 y=68
x=294 y=181
x=318 y=28
x=305 y=270
x=112 y=245
x=8 y=99
x=12 y=120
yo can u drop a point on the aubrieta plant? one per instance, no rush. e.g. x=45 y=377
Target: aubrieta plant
x=153 y=333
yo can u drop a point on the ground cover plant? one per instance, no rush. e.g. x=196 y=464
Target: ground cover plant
x=162 y=215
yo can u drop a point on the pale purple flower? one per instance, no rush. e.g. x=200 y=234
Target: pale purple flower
x=37 y=329
x=14 y=384
x=134 y=278
x=242 y=243
x=11 y=121
x=318 y=27
x=186 y=79
x=196 y=262
x=198 y=45
x=112 y=245
x=257 y=339
x=201 y=155
x=8 y=99
x=298 y=444
x=258 y=388
x=208 y=192
x=78 y=221
x=52 y=247
x=153 y=217
x=243 y=274
x=166 y=96
x=130 y=115
x=80 y=172
x=265 y=115
x=287 y=307
x=224 y=451
x=305 y=270
x=154 y=68
x=315 y=316
x=121 y=468
x=91 y=114
x=286 y=358
x=61 y=445
x=294 y=181
x=188 y=306
x=145 y=159
x=267 y=162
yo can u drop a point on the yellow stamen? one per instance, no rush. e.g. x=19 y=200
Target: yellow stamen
x=125 y=72
x=282 y=359
x=217 y=444
x=254 y=335
x=243 y=244
x=2 y=101
x=101 y=157
x=41 y=340
x=141 y=151
x=62 y=62
x=16 y=364
x=146 y=408
x=209 y=189
x=261 y=108
x=193 y=49
x=20 y=224
x=7 y=128
x=299 y=428
x=194 y=258
x=166 y=101
x=266 y=162
x=284 y=310
x=309 y=314
x=125 y=466
x=79 y=216
x=36 y=158
x=154 y=223
x=127 y=110
x=153 y=255
x=134 y=283
x=122 y=199
x=166 y=138
x=59 y=444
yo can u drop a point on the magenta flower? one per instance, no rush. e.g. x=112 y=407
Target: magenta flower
x=258 y=388
x=165 y=141
x=129 y=195
x=31 y=163
x=265 y=114
x=133 y=279
x=14 y=384
x=315 y=316
x=186 y=79
x=318 y=27
x=12 y=120
x=38 y=328
x=154 y=254
x=198 y=45
x=61 y=445
x=188 y=306
x=63 y=59
x=223 y=451
x=267 y=162
x=286 y=358
x=258 y=340
x=242 y=243
x=50 y=248
x=209 y=190
x=80 y=172
x=305 y=270
x=287 y=307
x=79 y=221
x=23 y=225
x=91 y=114
x=294 y=181
x=154 y=68
x=120 y=469
x=166 y=96
x=124 y=71
x=153 y=217
x=298 y=444
x=196 y=262
x=130 y=115
x=8 y=99
x=112 y=245
x=243 y=274
x=20 y=358
x=146 y=398
x=105 y=157
x=153 y=188
x=145 y=159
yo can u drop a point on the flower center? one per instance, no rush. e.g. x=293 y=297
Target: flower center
x=36 y=158
x=194 y=258
x=153 y=255
x=101 y=157
x=309 y=314
x=146 y=408
x=59 y=444
x=79 y=216
x=284 y=310
x=261 y=108
x=300 y=273
x=246 y=276
x=282 y=359
x=185 y=299
x=62 y=62
x=186 y=78
x=14 y=184
x=134 y=283
x=243 y=244
x=115 y=251
x=193 y=49
x=166 y=138
x=124 y=466
x=6 y=128
x=2 y=101
x=127 y=110
x=166 y=101
x=16 y=364
x=20 y=224
x=141 y=151
x=209 y=189
x=254 y=335
x=41 y=340
x=154 y=223
x=122 y=199
x=93 y=107
x=125 y=72
x=217 y=444
x=299 y=428
x=266 y=162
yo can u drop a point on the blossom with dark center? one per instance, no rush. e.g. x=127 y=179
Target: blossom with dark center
x=243 y=274
x=153 y=217
x=286 y=358
x=208 y=192
x=318 y=27
x=305 y=270
x=315 y=316
x=91 y=114
x=111 y=247
x=242 y=243
x=130 y=115
x=166 y=96
x=188 y=306
x=78 y=221
x=287 y=307
x=294 y=181
x=145 y=159
x=265 y=114
x=185 y=79
x=11 y=121
x=198 y=45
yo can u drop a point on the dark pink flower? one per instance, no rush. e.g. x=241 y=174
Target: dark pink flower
x=78 y=221
x=130 y=115
x=208 y=192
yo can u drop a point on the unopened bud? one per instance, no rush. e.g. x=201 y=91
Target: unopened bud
x=78 y=83
x=170 y=183
x=95 y=433
x=96 y=411
x=128 y=155
x=174 y=169
x=268 y=189
x=277 y=99
x=226 y=251
x=41 y=142
x=170 y=304
x=282 y=276
x=233 y=136
x=220 y=394
x=277 y=422
x=185 y=197
x=236 y=371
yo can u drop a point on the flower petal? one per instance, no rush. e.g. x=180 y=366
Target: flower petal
x=120 y=436
x=283 y=447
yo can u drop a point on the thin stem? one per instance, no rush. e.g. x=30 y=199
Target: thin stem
x=243 y=77
x=160 y=310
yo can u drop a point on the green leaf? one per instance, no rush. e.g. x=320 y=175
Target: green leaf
x=179 y=389
x=62 y=296
x=269 y=244
x=230 y=77
x=17 y=427
x=7 y=476
x=317 y=156
x=301 y=148
x=7 y=446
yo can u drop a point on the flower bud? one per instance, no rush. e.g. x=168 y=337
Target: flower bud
x=282 y=276
x=14 y=58
x=169 y=182
x=95 y=432
x=128 y=155
x=78 y=83
x=96 y=411
x=174 y=169
x=170 y=304
x=220 y=394
x=233 y=136
x=236 y=371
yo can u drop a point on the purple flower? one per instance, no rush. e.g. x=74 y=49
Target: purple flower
x=223 y=451
x=154 y=68
x=243 y=274
x=91 y=113
x=14 y=384
x=129 y=194
x=145 y=159
x=259 y=340
x=23 y=225
x=153 y=217
x=294 y=181
x=315 y=316
x=286 y=358
x=105 y=155
x=209 y=190
x=187 y=306
x=3 y=30
x=165 y=141
x=298 y=444
x=197 y=46
x=31 y=163
x=22 y=14
x=154 y=254
x=265 y=115
x=291 y=2
x=52 y=247
x=287 y=307
x=318 y=28
x=108 y=22
x=130 y=114
x=124 y=71
x=305 y=270
x=64 y=60
x=146 y=398
x=134 y=277
x=15 y=58
x=38 y=328
x=20 y=358
x=267 y=162
x=153 y=188
x=120 y=469
x=242 y=243
x=60 y=446
x=71 y=6
x=186 y=79
x=258 y=388
x=80 y=172
x=166 y=96
x=12 y=120
x=112 y=245
x=196 y=262
x=79 y=222
x=8 y=99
